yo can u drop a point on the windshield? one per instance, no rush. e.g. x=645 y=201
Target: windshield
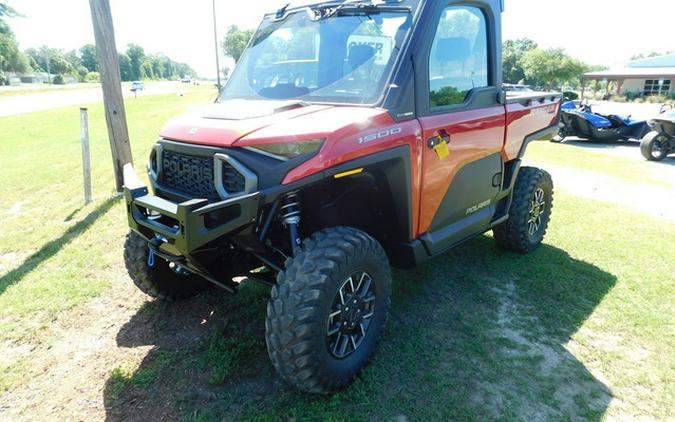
x=345 y=58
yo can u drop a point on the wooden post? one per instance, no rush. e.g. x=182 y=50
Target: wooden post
x=115 y=115
x=86 y=164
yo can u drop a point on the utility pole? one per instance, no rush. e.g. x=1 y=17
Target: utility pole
x=113 y=101
x=215 y=40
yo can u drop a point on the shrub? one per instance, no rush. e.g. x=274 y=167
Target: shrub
x=58 y=80
x=92 y=77
x=571 y=95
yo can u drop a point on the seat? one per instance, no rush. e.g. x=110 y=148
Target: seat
x=359 y=54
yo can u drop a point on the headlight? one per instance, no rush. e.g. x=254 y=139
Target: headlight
x=288 y=150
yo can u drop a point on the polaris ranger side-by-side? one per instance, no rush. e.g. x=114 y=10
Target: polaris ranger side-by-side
x=352 y=135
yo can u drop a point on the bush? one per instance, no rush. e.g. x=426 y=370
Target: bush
x=571 y=95
x=58 y=80
x=92 y=77
x=656 y=99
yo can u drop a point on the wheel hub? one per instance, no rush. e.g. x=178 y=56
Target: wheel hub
x=350 y=315
x=537 y=207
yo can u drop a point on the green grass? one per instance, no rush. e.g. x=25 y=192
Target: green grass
x=579 y=329
x=55 y=253
x=575 y=156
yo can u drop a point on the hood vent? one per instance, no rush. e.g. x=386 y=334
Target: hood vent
x=249 y=109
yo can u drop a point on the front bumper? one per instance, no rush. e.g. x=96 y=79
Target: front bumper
x=185 y=226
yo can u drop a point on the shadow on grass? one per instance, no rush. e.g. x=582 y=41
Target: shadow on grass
x=50 y=248
x=475 y=334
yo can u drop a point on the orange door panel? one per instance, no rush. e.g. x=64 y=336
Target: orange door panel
x=471 y=136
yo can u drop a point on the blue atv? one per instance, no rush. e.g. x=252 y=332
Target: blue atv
x=582 y=122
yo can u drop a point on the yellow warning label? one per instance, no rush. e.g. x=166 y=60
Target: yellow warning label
x=442 y=150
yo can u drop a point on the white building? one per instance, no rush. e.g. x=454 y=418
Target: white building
x=651 y=76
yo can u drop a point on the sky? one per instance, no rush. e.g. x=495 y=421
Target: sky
x=604 y=32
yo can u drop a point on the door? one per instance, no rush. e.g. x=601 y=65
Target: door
x=463 y=128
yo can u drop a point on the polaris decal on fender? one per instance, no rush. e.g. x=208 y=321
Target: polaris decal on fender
x=379 y=135
x=478 y=206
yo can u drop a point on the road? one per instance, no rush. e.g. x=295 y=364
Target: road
x=26 y=103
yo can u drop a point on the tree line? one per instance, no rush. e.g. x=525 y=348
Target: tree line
x=525 y=63
x=135 y=63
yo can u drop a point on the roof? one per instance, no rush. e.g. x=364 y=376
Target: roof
x=667 y=60
x=633 y=73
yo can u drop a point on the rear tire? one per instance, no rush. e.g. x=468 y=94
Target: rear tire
x=315 y=340
x=530 y=212
x=652 y=147
x=159 y=280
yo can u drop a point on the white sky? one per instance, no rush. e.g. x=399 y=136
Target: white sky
x=597 y=31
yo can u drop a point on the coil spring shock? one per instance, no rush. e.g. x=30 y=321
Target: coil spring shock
x=290 y=215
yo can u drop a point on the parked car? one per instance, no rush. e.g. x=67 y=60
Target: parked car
x=316 y=177
x=137 y=86
x=578 y=119
x=660 y=141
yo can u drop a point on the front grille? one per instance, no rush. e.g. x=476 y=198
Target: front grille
x=189 y=174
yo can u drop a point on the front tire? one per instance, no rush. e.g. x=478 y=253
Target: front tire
x=530 y=212
x=652 y=146
x=328 y=309
x=158 y=280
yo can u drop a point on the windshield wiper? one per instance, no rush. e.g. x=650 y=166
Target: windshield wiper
x=327 y=10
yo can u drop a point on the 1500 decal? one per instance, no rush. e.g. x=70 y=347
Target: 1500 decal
x=379 y=135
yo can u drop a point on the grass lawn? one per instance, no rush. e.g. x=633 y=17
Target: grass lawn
x=581 y=328
x=572 y=155
x=42 y=213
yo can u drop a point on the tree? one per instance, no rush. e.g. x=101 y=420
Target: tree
x=58 y=63
x=649 y=55
x=136 y=56
x=146 y=69
x=552 y=67
x=73 y=59
x=125 y=67
x=513 y=53
x=11 y=58
x=235 y=42
x=88 y=56
x=7 y=11
x=36 y=61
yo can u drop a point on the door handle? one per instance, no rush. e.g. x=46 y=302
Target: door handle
x=442 y=136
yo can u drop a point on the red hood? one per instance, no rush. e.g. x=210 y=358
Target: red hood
x=255 y=122
x=224 y=123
